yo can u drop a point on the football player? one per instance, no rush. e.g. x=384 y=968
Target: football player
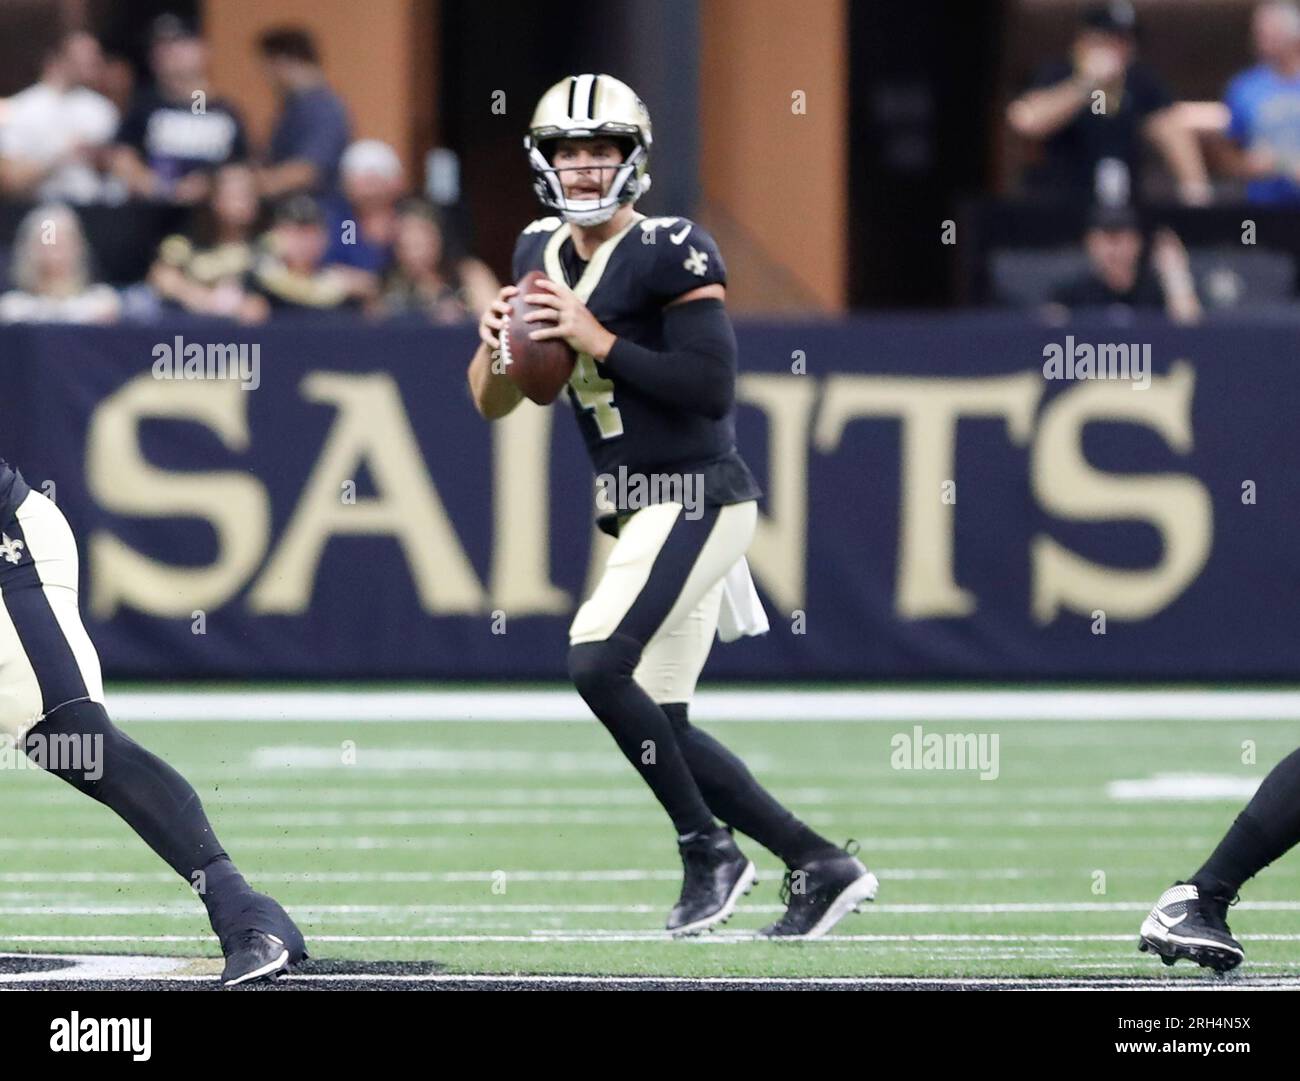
x=52 y=705
x=1190 y=918
x=641 y=302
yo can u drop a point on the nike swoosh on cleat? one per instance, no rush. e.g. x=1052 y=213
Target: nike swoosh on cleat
x=274 y=966
x=743 y=885
x=863 y=888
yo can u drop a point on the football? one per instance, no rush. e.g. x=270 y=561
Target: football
x=538 y=369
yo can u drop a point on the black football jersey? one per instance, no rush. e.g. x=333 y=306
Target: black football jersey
x=13 y=490
x=626 y=284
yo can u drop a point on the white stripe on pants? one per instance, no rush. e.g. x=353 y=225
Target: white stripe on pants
x=674 y=657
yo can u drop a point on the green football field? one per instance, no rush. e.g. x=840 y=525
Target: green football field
x=520 y=845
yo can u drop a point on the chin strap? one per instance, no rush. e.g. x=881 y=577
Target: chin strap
x=596 y=216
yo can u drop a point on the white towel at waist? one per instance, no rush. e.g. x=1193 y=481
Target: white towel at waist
x=741 y=612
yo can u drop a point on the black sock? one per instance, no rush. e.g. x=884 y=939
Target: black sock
x=739 y=800
x=153 y=799
x=602 y=672
x=1268 y=827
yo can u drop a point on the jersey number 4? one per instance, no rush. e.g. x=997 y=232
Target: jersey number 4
x=597 y=395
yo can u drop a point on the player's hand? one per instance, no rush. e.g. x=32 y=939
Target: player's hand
x=573 y=321
x=494 y=317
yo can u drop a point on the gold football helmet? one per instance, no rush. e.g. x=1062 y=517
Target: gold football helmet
x=583 y=107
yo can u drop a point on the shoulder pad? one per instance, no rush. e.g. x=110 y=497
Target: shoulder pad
x=542 y=225
x=677 y=227
x=684 y=257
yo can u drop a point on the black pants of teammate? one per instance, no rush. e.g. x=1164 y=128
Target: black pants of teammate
x=1268 y=827
x=49 y=669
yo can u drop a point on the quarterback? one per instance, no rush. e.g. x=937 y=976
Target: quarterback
x=641 y=302
x=52 y=699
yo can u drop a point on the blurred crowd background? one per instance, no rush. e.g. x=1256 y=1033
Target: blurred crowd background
x=364 y=160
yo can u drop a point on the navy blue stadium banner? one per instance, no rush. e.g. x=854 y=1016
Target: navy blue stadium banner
x=946 y=496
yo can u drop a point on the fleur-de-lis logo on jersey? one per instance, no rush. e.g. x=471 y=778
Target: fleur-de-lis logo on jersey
x=12 y=550
x=697 y=262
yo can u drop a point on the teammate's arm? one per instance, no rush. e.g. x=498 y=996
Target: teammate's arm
x=493 y=393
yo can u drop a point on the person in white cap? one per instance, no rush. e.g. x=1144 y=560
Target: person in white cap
x=372 y=180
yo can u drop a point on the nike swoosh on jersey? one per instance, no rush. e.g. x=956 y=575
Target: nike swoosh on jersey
x=677 y=238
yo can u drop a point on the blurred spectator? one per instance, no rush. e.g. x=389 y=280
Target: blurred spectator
x=290 y=271
x=425 y=281
x=312 y=129
x=51 y=273
x=1264 y=109
x=54 y=132
x=175 y=135
x=1118 y=275
x=362 y=237
x=206 y=274
x=1092 y=143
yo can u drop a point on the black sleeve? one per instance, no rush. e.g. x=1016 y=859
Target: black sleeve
x=697 y=372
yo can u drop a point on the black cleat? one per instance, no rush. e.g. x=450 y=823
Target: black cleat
x=716 y=874
x=266 y=943
x=828 y=891
x=1185 y=924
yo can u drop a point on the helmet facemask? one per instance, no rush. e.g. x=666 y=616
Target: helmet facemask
x=629 y=183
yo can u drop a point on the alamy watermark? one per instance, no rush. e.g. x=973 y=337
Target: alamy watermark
x=1120 y=361
x=112 y=1035
x=919 y=749
x=58 y=751
x=232 y=361
x=633 y=491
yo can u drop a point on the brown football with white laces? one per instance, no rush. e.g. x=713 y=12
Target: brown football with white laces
x=538 y=369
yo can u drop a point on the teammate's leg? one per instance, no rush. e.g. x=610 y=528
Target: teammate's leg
x=51 y=702
x=149 y=795
x=825 y=882
x=1190 y=918
x=1267 y=829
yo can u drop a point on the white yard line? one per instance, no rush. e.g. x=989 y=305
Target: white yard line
x=783 y=706
x=442 y=841
x=1135 y=983
x=463 y=877
x=129 y=968
x=186 y=910
x=569 y=937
